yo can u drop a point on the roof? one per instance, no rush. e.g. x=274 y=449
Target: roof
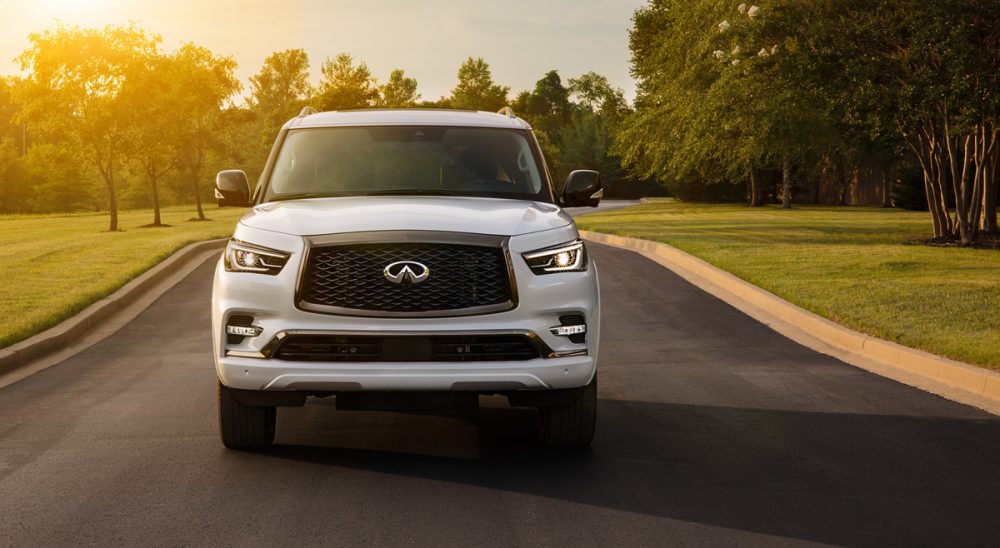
x=408 y=117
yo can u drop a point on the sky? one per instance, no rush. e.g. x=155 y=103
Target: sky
x=520 y=39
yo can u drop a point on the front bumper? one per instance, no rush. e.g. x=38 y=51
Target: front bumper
x=248 y=365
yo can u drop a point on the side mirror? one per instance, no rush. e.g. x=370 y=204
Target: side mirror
x=232 y=188
x=583 y=189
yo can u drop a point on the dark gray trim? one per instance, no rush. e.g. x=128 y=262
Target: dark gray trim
x=269 y=398
x=407 y=236
x=264 y=180
x=544 y=350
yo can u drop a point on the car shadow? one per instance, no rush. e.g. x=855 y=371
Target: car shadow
x=826 y=477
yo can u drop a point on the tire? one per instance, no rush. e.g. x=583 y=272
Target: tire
x=570 y=425
x=242 y=426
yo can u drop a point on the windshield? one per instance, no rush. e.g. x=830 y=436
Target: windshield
x=360 y=161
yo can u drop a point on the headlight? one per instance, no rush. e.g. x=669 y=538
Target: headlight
x=569 y=257
x=244 y=257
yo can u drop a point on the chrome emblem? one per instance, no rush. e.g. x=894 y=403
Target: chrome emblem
x=406 y=272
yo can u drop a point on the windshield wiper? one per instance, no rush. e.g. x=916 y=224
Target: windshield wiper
x=304 y=195
x=413 y=192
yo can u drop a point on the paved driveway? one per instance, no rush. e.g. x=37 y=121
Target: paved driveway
x=712 y=430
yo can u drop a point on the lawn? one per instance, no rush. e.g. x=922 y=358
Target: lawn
x=861 y=267
x=53 y=266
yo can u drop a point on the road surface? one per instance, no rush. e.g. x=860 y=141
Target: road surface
x=712 y=430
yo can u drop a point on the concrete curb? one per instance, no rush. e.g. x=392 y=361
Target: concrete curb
x=89 y=319
x=949 y=378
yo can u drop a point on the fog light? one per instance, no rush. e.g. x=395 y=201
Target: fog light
x=244 y=330
x=567 y=330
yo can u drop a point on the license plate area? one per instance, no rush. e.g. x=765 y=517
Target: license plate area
x=406 y=349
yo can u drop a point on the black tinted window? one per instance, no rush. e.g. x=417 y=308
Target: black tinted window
x=386 y=160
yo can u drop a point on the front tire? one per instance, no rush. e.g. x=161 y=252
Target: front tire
x=242 y=426
x=570 y=425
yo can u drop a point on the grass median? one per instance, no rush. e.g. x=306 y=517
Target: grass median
x=53 y=266
x=861 y=267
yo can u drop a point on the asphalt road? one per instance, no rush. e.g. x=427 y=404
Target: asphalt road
x=712 y=430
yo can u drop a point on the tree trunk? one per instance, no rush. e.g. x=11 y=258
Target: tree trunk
x=845 y=185
x=925 y=146
x=938 y=182
x=109 y=179
x=958 y=184
x=755 y=198
x=197 y=198
x=156 y=201
x=196 y=164
x=786 y=181
x=886 y=187
x=990 y=184
x=940 y=226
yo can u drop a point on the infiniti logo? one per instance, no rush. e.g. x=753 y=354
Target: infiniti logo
x=406 y=272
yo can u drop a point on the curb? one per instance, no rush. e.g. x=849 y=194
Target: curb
x=962 y=382
x=68 y=331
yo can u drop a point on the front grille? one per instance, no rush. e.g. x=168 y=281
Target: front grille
x=351 y=277
x=374 y=348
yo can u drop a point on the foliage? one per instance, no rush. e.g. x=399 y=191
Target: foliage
x=547 y=106
x=107 y=113
x=346 y=85
x=74 y=90
x=730 y=91
x=476 y=89
x=281 y=88
x=399 y=91
x=723 y=93
x=209 y=81
x=944 y=56
x=279 y=91
x=575 y=126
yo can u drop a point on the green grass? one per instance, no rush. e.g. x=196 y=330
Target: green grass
x=53 y=266
x=861 y=267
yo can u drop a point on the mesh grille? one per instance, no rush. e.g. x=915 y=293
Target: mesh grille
x=461 y=276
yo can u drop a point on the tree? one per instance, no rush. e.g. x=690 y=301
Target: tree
x=152 y=96
x=209 y=82
x=346 y=85
x=547 y=107
x=476 y=89
x=595 y=116
x=75 y=83
x=281 y=88
x=944 y=56
x=726 y=91
x=14 y=184
x=399 y=91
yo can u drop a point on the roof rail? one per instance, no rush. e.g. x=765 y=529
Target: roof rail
x=508 y=112
x=306 y=111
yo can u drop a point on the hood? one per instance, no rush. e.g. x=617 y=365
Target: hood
x=374 y=213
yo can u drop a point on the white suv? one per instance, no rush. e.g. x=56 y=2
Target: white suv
x=406 y=259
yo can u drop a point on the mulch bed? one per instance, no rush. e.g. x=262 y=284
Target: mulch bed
x=986 y=241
